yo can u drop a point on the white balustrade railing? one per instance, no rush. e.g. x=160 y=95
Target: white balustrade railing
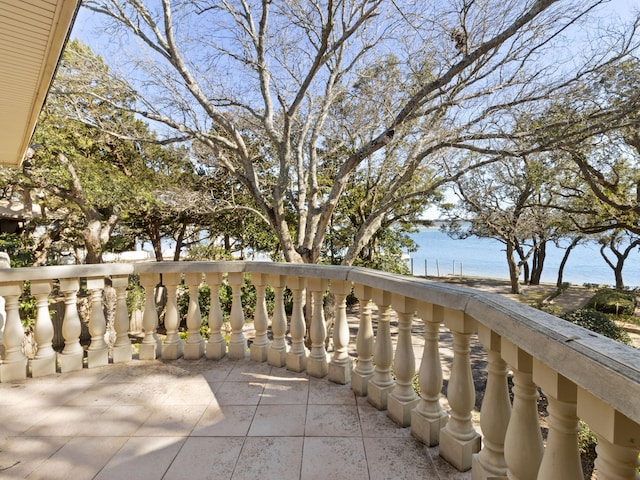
x=584 y=376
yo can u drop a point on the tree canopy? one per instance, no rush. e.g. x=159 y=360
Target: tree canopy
x=296 y=99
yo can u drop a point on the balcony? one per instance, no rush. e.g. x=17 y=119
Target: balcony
x=260 y=405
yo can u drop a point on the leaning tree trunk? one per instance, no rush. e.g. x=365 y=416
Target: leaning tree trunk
x=514 y=269
x=565 y=257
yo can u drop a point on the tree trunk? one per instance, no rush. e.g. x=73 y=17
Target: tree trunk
x=538 y=263
x=153 y=230
x=92 y=243
x=514 y=269
x=617 y=271
x=180 y=242
x=565 y=257
x=523 y=263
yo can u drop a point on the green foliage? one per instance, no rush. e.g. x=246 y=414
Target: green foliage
x=135 y=294
x=18 y=248
x=598 y=322
x=550 y=308
x=619 y=302
x=587 y=442
x=27 y=307
x=208 y=252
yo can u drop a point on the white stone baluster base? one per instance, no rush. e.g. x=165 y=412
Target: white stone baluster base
x=71 y=362
x=11 y=372
x=122 y=354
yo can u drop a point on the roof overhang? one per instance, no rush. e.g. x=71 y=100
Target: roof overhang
x=32 y=36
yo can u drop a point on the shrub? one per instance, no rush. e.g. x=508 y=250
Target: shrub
x=608 y=300
x=135 y=294
x=598 y=322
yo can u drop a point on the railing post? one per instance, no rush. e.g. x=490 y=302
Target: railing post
x=44 y=362
x=561 y=459
x=72 y=355
x=490 y=464
x=297 y=354
x=364 y=370
x=403 y=398
x=259 y=349
x=340 y=366
x=237 y=341
x=523 y=448
x=172 y=348
x=194 y=346
x=382 y=384
x=317 y=365
x=14 y=365
x=150 y=348
x=458 y=439
x=122 y=348
x=216 y=347
x=428 y=418
x=277 y=353
x=98 y=351
x=617 y=436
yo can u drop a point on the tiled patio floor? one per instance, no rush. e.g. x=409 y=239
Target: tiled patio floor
x=202 y=420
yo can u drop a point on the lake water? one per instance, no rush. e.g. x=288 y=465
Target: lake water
x=483 y=257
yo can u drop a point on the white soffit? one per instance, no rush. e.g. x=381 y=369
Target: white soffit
x=32 y=36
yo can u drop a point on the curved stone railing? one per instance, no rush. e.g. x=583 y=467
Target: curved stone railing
x=583 y=375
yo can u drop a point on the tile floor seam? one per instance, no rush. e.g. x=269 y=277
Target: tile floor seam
x=366 y=457
x=112 y=456
x=237 y=462
x=174 y=459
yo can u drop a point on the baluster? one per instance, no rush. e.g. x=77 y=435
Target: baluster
x=458 y=440
x=561 y=459
x=403 y=399
x=172 y=348
x=194 y=346
x=364 y=370
x=428 y=418
x=237 y=340
x=150 y=348
x=122 y=348
x=340 y=366
x=615 y=462
x=317 y=365
x=260 y=347
x=617 y=436
x=523 y=446
x=297 y=354
x=382 y=383
x=495 y=412
x=98 y=352
x=277 y=354
x=216 y=347
x=44 y=362
x=72 y=355
x=14 y=365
